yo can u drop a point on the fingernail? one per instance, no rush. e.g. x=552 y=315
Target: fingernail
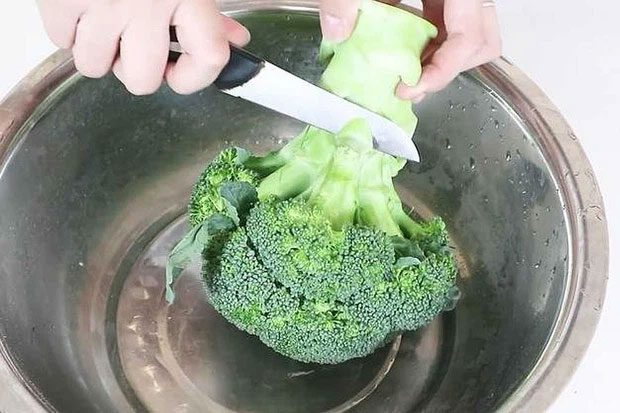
x=334 y=28
x=406 y=91
x=419 y=98
x=247 y=35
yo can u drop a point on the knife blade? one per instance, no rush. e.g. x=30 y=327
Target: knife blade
x=251 y=78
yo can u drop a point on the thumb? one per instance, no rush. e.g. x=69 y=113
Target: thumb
x=235 y=32
x=338 y=18
x=445 y=65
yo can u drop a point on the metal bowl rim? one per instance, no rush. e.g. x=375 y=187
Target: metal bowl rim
x=585 y=290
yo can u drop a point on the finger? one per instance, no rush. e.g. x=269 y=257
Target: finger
x=145 y=43
x=492 y=47
x=60 y=23
x=338 y=18
x=96 y=41
x=236 y=33
x=445 y=65
x=199 y=29
x=464 y=41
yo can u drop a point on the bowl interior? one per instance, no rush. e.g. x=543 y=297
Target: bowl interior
x=93 y=196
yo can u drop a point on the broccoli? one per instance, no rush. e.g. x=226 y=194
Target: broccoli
x=321 y=275
x=320 y=295
x=309 y=247
x=206 y=200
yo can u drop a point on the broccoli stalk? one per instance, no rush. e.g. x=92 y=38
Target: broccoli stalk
x=340 y=174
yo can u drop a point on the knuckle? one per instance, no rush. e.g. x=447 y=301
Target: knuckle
x=494 y=48
x=89 y=69
x=142 y=88
x=179 y=87
x=216 y=57
x=182 y=88
x=62 y=42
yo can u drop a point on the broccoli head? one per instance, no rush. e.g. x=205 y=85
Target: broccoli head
x=320 y=295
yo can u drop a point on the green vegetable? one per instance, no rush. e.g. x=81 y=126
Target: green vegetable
x=384 y=48
x=320 y=295
x=309 y=247
x=206 y=199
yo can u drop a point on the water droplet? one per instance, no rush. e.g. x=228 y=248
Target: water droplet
x=537 y=265
x=463 y=108
x=496 y=124
x=451 y=104
x=486 y=160
x=287 y=17
x=554 y=270
x=548 y=209
x=508 y=156
x=547 y=242
x=485 y=199
x=448 y=144
x=534 y=233
x=472 y=164
x=511 y=181
x=471 y=146
x=493 y=108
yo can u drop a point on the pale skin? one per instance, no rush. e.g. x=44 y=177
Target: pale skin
x=131 y=38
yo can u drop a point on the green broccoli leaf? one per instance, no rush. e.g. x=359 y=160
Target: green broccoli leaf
x=239 y=197
x=405 y=262
x=191 y=247
x=407 y=248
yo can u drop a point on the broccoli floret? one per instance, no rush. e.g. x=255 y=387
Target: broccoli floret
x=320 y=295
x=227 y=167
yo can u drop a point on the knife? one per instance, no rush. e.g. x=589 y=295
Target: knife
x=251 y=78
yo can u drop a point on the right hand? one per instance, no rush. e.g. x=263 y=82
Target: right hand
x=468 y=36
x=132 y=38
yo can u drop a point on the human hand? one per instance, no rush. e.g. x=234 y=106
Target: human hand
x=468 y=36
x=132 y=38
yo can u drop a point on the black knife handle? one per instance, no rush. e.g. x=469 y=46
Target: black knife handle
x=241 y=67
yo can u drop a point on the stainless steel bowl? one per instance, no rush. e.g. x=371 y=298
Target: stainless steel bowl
x=93 y=188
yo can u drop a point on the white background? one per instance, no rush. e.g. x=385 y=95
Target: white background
x=571 y=50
